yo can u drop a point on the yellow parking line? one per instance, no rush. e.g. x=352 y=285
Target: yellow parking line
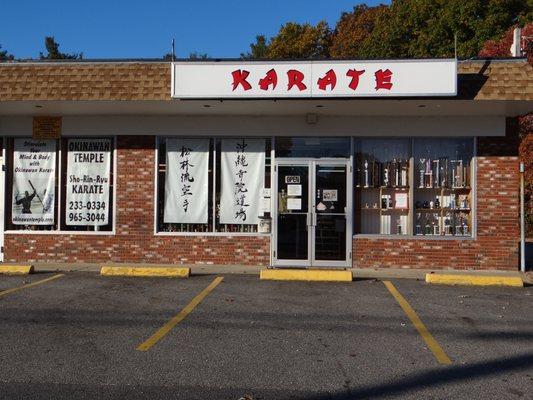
x=433 y=345
x=156 y=337
x=8 y=291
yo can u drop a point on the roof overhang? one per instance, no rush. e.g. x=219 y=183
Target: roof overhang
x=331 y=107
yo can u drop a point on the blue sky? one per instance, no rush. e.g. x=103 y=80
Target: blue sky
x=144 y=29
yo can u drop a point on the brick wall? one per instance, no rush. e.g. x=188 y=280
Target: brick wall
x=134 y=240
x=498 y=230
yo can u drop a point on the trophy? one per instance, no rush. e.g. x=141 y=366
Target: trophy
x=418 y=228
x=386 y=178
x=428 y=174
x=421 y=171
x=365 y=172
x=436 y=172
x=403 y=174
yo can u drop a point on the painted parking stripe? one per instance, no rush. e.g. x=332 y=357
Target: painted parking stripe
x=433 y=345
x=29 y=285
x=156 y=337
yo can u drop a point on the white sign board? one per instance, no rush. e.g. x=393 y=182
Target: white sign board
x=186 y=183
x=34 y=170
x=258 y=79
x=88 y=182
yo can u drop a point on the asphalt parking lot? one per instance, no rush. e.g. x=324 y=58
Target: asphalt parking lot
x=81 y=336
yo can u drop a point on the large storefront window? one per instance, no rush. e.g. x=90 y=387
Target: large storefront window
x=381 y=179
x=420 y=186
x=443 y=193
x=64 y=185
x=213 y=185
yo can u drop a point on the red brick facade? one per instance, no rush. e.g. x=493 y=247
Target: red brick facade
x=495 y=246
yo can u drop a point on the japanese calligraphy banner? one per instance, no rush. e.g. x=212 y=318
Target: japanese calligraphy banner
x=88 y=182
x=34 y=171
x=186 y=185
x=260 y=79
x=243 y=176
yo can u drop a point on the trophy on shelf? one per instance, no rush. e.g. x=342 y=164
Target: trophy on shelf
x=443 y=171
x=418 y=227
x=365 y=173
x=447 y=226
x=421 y=171
x=403 y=172
x=457 y=173
x=464 y=225
x=436 y=172
x=386 y=174
x=428 y=174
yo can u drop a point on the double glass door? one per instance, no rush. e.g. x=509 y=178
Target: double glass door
x=312 y=213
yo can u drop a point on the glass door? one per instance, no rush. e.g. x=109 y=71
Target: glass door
x=331 y=209
x=293 y=219
x=312 y=213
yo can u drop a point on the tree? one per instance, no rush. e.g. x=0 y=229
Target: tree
x=198 y=56
x=258 y=50
x=353 y=31
x=293 y=41
x=501 y=47
x=427 y=28
x=4 y=55
x=52 y=48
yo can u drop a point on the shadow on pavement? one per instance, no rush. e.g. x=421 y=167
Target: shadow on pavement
x=435 y=377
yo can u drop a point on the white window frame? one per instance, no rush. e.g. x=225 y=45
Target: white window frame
x=213 y=232
x=58 y=231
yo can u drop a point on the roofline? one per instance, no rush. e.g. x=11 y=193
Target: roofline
x=161 y=60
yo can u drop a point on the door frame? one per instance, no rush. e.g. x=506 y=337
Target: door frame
x=311 y=261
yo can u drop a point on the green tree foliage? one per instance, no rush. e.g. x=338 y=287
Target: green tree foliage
x=405 y=29
x=258 y=50
x=293 y=41
x=426 y=28
x=4 y=55
x=53 y=53
x=353 y=33
x=300 y=41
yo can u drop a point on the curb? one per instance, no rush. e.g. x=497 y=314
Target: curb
x=146 y=272
x=16 y=269
x=305 y=275
x=474 y=280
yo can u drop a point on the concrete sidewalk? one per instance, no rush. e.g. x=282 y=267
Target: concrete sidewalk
x=358 y=273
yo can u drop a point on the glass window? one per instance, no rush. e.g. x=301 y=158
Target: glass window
x=32 y=184
x=313 y=147
x=223 y=195
x=87 y=183
x=443 y=194
x=381 y=185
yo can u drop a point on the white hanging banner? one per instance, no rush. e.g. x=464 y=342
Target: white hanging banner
x=88 y=182
x=186 y=185
x=243 y=176
x=34 y=170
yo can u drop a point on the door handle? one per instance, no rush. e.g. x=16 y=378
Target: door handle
x=308 y=219
x=314 y=218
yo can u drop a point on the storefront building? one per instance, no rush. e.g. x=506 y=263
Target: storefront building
x=392 y=164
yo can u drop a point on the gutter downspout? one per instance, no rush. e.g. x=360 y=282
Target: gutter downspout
x=522 y=221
